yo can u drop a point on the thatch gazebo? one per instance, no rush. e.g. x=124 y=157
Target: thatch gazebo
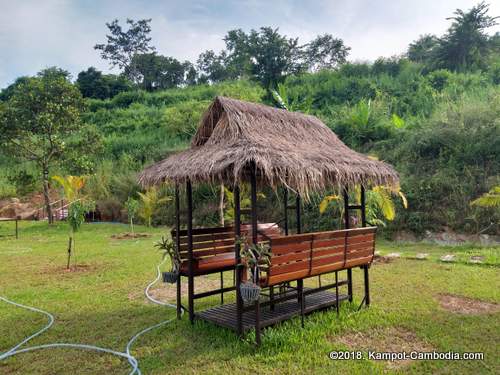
x=240 y=142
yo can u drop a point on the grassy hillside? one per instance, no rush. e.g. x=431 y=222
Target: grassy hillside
x=440 y=130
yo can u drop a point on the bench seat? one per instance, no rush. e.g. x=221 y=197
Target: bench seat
x=209 y=265
x=213 y=248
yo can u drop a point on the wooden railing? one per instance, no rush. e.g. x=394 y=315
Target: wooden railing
x=59 y=210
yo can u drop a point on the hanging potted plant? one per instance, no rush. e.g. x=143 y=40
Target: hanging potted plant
x=257 y=258
x=168 y=248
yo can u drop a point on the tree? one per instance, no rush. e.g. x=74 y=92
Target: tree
x=116 y=84
x=212 y=67
x=41 y=114
x=7 y=92
x=238 y=58
x=266 y=55
x=325 y=52
x=132 y=206
x=466 y=44
x=273 y=56
x=422 y=50
x=191 y=73
x=158 y=72
x=79 y=205
x=122 y=46
x=91 y=84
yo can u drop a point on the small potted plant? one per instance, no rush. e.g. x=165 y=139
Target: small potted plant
x=257 y=258
x=168 y=248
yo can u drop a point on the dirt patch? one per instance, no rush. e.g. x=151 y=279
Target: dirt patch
x=129 y=236
x=168 y=292
x=465 y=305
x=78 y=268
x=391 y=339
x=380 y=259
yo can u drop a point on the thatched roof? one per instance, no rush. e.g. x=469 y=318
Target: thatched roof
x=288 y=148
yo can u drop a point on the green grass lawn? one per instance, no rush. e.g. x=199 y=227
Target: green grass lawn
x=102 y=304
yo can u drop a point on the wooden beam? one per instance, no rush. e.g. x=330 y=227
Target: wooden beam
x=285 y=208
x=253 y=186
x=178 y=245
x=363 y=207
x=189 y=198
x=237 y=250
x=297 y=213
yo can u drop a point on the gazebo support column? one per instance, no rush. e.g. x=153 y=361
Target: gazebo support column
x=237 y=250
x=189 y=198
x=363 y=207
x=285 y=210
x=253 y=195
x=346 y=226
x=178 y=246
x=363 y=223
x=298 y=213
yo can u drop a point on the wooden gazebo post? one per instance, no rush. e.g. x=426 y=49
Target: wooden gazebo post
x=285 y=210
x=237 y=250
x=178 y=246
x=363 y=223
x=298 y=213
x=253 y=195
x=346 y=226
x=189 y=199
x=362 y=207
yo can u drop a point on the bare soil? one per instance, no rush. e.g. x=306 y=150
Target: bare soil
x=465 y=305
x=380 y=259
x=167 y=292
x=129 y=236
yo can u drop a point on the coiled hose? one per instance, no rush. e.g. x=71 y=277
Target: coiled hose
x=131 y=359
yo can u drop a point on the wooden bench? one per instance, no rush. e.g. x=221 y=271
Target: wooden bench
x=301 y=256
x=213 y=248
x=213 y=251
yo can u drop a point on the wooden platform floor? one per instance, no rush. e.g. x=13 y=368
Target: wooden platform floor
x=225 y=315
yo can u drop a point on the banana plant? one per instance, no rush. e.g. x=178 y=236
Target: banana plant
x=284 y=100
x=379 y=204
x=78 y=205
x=245 y=201
x=149 y=202
x=489 y=199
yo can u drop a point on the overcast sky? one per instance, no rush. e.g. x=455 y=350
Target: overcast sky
x=39 y=33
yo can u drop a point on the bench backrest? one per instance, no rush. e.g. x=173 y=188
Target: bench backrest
x=208 y=242
x=304 y=255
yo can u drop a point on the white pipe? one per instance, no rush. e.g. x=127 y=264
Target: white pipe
x=131 y=359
